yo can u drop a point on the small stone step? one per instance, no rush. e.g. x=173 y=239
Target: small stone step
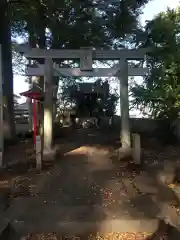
x=139 y=207
x=52 y=217
x=75 y=228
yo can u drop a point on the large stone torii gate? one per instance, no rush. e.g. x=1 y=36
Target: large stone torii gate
x=86 y=56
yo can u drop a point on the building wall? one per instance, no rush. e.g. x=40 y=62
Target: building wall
x=144 y=125
x=141 y=125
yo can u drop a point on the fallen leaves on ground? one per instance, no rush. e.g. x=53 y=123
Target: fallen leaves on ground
x=110 y=236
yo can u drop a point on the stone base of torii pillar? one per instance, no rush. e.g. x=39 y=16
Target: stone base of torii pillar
x=133 y=152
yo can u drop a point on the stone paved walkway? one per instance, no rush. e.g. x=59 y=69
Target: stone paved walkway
x=87 y=191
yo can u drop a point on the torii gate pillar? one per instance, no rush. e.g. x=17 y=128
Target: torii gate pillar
x=48 y=111
x=124 y=105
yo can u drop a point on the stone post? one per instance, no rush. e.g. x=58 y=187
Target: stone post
x=136 y=149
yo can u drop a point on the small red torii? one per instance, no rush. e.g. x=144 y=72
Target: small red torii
x=35 y=94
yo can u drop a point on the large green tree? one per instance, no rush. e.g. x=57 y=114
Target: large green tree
x=75 y=23
x=159 y=94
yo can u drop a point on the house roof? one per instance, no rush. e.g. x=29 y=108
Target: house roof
x=22 y=106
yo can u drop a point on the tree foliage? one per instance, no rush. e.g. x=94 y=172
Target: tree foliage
x=18 y=61
x=75 y=23
x=159 y=94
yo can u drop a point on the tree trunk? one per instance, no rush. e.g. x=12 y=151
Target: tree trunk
x=5 y=40
x=37 y=37
x=32 y=43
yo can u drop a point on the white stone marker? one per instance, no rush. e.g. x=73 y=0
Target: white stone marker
x=136 y=150
x=38 y=152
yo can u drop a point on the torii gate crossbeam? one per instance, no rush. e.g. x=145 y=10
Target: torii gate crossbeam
x=71 y=54
x=77 y=72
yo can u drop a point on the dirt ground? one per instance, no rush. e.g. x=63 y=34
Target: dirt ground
x=88 y=177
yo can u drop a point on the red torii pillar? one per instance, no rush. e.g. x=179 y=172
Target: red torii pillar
x=35 y=94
